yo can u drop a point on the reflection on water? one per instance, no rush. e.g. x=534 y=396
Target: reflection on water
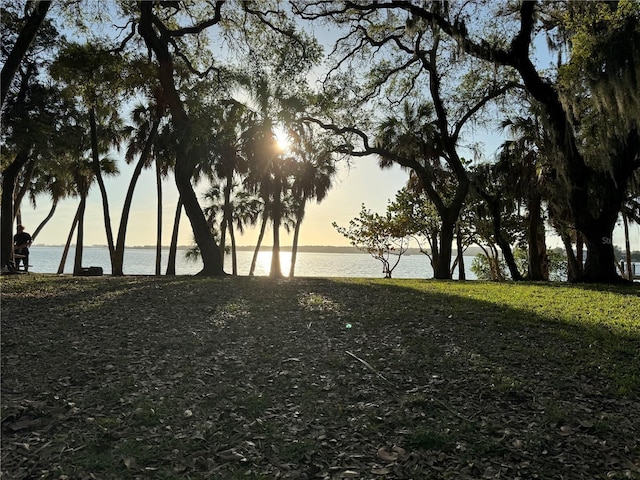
x=139 y=261
x=263 y=264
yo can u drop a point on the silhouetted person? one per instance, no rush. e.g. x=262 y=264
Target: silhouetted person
x=21 y=243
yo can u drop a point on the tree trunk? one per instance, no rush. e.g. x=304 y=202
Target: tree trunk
x=494 y=207
x=597 y=229
x=276 y=269
x=600 y=266
x=226 y=217
x=209 y=250
x=294 y=248
x=158 y=220
x=296 y=236
x=173 y=248
x=77 y=262
x=263 y=227
x=462 y=274
x=442 y=262
x=580 y=252
x=65 y=251
x=627 y=247
x=9 y=177
x=234 y=256
x=535 y=268
x=507 y=253
x=223 y=237
x=23 y=42
x=451 y=213
x=42 y=224
x=386 y=269
x=185 y=163
x=544 y=256
x=448 y=214
x=97 y=170
x=573 y=269
x=117 y=262
x=496 y=264
x=22 y=191
x=435 y=249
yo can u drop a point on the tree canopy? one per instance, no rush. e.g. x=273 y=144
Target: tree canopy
x=411 y=84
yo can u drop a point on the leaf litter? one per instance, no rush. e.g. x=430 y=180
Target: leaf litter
x=140 y=377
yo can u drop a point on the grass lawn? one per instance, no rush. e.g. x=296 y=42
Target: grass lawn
x=250 y=378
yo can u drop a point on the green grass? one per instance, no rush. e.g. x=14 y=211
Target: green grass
x=141 y=377
x=608 y=307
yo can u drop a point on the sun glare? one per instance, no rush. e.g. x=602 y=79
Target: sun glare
x=283 y=139
x=264 y=262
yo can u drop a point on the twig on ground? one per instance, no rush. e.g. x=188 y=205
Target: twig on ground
x=368 y=365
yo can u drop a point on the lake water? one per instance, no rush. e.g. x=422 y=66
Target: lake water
x=141 y=261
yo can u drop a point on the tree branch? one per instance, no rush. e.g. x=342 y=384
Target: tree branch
x=492 y=94
x=124 y=42
x=20 y=48
x=180 y=32
x=421 y=170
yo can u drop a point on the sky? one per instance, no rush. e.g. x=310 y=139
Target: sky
x=362 y=182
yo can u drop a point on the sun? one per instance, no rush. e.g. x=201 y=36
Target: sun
x=282 y=138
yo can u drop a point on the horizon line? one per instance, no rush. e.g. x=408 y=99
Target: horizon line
x=239 y=247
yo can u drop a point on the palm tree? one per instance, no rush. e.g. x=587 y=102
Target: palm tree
x=523 y=161
x=213 y=206
x=264 y=213
x=244 y=208
x=161 y=171
x=173 y=247
x=67 y=245
x=271 y=184
x=491 y=185
x=106 y=132
x=147 y=121
x=83 y=176
x=93 y=75
x=281 y=172
x=268 y=170
x=246 y=211
x=54 y=178
x=165 y=158
x=313 y=172
x=227 y=163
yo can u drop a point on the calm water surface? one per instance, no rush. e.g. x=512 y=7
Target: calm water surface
x=139 y=261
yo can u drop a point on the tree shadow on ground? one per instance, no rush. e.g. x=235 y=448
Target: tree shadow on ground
x=140 y=377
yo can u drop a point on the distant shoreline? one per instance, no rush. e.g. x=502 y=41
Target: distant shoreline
x=307 y=248
x=471 y=251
